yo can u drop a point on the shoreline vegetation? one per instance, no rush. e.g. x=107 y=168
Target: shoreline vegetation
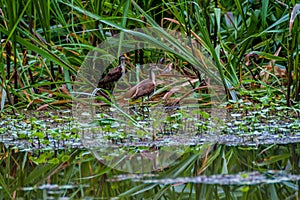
x=218 y=118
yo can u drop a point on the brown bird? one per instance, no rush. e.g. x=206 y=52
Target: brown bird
x=143 y=88
x=108 y=81
x=115 y=74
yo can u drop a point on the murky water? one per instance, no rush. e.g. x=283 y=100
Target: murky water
x=253 y=149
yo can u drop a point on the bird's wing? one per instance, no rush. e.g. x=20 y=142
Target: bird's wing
x=112 y=75
x=130 y=92
x=144 y=89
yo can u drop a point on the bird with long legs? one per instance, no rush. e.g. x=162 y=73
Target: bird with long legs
x=143 y=88
x=114 y=74
x=108 y=81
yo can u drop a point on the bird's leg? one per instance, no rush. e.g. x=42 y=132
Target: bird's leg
x=142 y=109
x=145 y=111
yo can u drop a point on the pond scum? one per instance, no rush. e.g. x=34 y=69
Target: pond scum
x=256 y=145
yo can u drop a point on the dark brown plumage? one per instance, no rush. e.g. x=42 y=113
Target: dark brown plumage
x=143 y=88
x=107 y=82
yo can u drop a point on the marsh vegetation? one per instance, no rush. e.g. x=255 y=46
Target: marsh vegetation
x=219 y=104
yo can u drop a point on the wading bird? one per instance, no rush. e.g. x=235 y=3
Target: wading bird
x=143 y=88
x=108 y=81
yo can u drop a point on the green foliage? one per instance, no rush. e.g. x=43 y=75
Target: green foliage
x=246 y=168
x=81 y=171
x=44 y=42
